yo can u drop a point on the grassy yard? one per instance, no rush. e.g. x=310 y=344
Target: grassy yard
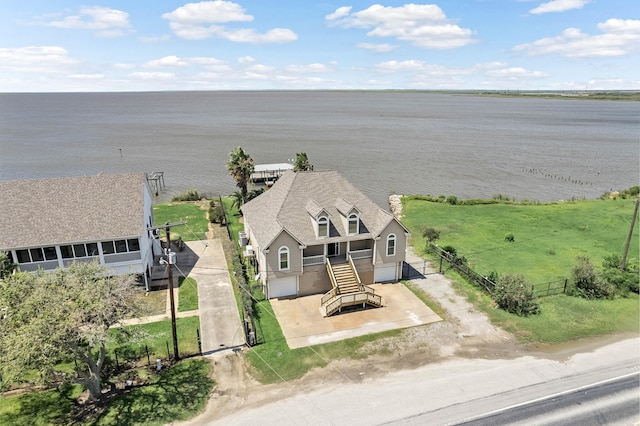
x=39 y=408
x=195 y=228
x=188 y=294
x=547 y=240
x=548 y=237
x=176 y=394
x=273 y=361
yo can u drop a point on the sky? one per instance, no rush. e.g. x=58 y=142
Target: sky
x=164 y=45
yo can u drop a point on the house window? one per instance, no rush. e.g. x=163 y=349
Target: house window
x=354 y=224
x=79 y=250
x=92 y=249
x=323 y=226
x=36 y=255
x=121 y=246
x=66 y=252
x=134 y=244
x=107 y=247
x=50 y=253
x=283 y=255
x=23 y=256
x=391 y=245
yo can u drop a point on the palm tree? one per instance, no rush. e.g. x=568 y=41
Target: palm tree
x=240 y=166
x=302 y=163
x=237 y=200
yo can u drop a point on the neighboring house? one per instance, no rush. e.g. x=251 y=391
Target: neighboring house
x=311 y=224
x=49 y=223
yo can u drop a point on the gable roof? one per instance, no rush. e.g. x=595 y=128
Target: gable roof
x=42 y=212
x=288 y=203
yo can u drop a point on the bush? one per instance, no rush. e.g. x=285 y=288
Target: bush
x=191 y=195
x=586 y=282
x=623 y=281
x=452 y=199
x=510 y=238
x=430 y=234
x=216 y=213
x=513 y=294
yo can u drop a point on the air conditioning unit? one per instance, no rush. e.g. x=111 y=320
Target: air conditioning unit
x=248 y=251
x=243 y=239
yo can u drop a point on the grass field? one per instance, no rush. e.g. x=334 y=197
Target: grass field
x=190 y=212
x=547 y=240
x=188 y=295
x=548 y=237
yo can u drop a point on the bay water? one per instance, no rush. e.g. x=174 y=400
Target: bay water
x=383 y=142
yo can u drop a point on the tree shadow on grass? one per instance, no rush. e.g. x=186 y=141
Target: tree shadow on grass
x=176 y=394
x=41 y=408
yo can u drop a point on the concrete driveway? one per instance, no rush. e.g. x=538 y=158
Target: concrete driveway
x=303 y=324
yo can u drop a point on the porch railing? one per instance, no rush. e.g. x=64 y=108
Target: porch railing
x=313 y=260
x=361 y=254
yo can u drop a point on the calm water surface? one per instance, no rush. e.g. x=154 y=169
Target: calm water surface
x=384 y=142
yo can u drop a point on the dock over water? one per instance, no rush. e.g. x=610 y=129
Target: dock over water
x=269 y=173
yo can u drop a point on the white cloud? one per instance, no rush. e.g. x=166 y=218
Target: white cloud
x=198 y=21
x=515 y=73
x=246 y=60
x=87 y=76
x=559 y=6
x=423 y=25
x=152 y=75
x=154 y=39
x=377 y=47
x=105 y=22
x=620 y=37
x=311 y=68
x=45 y=59
x=419 y=67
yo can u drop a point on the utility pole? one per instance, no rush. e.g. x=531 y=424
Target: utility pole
x=170 y=261
x=626 y=246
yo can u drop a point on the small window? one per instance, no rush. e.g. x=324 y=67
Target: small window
x=66 y=252
x=391 y=245
x=23 y=256
x=353 y=224
x=323 y=226
x=36 y=255
x=92 y=249
x=121 y=246
x=107 y=247
x=134 y=244
x=79 y=250
x=50 y=253
x=283 y=255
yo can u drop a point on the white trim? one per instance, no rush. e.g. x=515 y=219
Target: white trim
x=284 y=250
x=391 y=237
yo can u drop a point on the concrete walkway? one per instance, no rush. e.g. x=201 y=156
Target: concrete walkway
x=220 y=326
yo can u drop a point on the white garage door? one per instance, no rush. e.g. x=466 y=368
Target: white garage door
x=283 y=287
x=384 y=273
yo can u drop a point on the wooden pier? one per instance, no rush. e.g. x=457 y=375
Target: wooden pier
x=269 y=173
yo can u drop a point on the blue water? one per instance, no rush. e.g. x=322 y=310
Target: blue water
x=384 y=142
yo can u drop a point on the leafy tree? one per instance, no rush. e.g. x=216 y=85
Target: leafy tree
x=48 y=318
x=514 y=294
x=301 y=163
x=240 y=167
x=6 y=265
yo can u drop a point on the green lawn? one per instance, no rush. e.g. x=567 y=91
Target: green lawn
x=548 y=237
x=188 y=294
x=39 y=408
x=195 y=228
x=176 y=394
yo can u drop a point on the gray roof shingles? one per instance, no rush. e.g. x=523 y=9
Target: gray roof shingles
x=43 y=212
x=286 y=204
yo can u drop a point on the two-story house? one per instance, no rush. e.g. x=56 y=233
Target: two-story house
x=314 y=232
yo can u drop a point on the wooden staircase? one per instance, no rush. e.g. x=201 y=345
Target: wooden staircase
x=347 y=290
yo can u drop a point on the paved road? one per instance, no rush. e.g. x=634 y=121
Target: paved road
x=612 y=402
x=445 y=393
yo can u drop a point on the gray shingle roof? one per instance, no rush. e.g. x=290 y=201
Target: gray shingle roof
x=286 y=206
x=43 y=212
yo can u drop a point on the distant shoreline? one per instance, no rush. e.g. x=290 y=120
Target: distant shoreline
x=600 y=95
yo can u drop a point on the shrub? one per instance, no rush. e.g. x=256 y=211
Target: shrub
x=513 y=294
x=586 y=282
x=430 y=234
x=191 y=195
x=510 y=238
x=216 y=213
x=452 y=199
x=623 y=281
x=450 y=249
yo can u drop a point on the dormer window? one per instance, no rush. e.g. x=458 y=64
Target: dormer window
x=323 y=227
x=354 y=224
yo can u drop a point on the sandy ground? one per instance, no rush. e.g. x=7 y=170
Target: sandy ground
x=464 y=333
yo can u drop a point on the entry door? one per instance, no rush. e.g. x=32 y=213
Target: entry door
x=333 y=249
